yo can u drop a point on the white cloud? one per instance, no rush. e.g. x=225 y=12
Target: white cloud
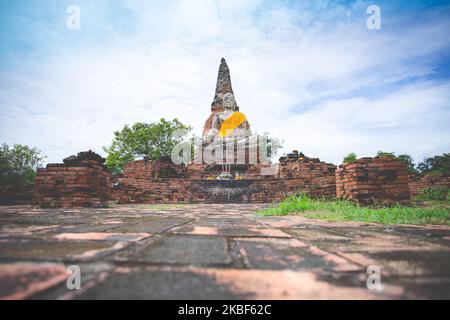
x=320 y=81
x=413 y=120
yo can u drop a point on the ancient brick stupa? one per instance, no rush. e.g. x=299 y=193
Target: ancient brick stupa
x=240 y=172
x=226 y=134
x=223 y=98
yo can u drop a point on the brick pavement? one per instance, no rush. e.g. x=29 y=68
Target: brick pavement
x=214 y=252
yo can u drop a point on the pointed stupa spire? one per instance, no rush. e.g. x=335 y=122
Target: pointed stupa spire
x=223 y=79
x=223 y=85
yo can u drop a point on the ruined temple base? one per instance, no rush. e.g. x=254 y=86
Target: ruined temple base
x=376 y=181
x=151 y=182
x=81 y=181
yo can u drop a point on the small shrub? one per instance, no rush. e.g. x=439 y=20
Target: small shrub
x=438 y=193
x=351 y=157
x=386 y=154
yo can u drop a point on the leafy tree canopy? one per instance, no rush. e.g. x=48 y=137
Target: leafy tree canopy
x=153 y=140
x=18 y=164
x=405 y=158
x=436 y=164
x=351 y=157
x=409 y=161
x=385 y=154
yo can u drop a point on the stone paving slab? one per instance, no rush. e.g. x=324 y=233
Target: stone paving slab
x=275 y=254
x=47 y=250
x=151 y=224
x=205 y=283
x=185 y=250
x=204 y=251
x=233 y=231
x=22 y=280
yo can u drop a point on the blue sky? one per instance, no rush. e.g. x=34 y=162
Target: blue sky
x=309 y=72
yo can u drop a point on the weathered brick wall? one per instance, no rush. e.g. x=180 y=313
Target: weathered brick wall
x=239 y=191
x=202 y=191
x=139 y=169
x=373 y=181
x=196 y=183
x=128 y=190
x=81 y=181
x=197 y=171
x=245 y=171
x=165 y=169
x=315 y=177
x=417 y=183
x=17 y=195
x=154 y=169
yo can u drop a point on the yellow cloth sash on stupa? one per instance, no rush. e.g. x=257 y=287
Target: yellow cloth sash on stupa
x=231 y=123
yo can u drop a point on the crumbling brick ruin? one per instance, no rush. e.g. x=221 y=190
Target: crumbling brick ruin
x=140 y=183
x=150 y=169
x=373 y=181
x=312 y=176
x=418 y=183
x=17 y=194
x=81 y=181
x=246 y=178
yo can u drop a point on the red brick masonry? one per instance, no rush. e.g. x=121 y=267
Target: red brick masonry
x=205 y=191
x=315 y=178
x=431 y=181
x=142 y=183
x=373 y=181
x=81 y=181
x=17 y=195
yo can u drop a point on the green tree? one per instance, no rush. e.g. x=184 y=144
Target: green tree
x=153 y=140
x=386 y=154
x=436 y=164
x=405 y=158
x=409 y=161
x=351 y=157
x=18 y=164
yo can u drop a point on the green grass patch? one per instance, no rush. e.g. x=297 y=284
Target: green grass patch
x=437 y=193
x=338 y=210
